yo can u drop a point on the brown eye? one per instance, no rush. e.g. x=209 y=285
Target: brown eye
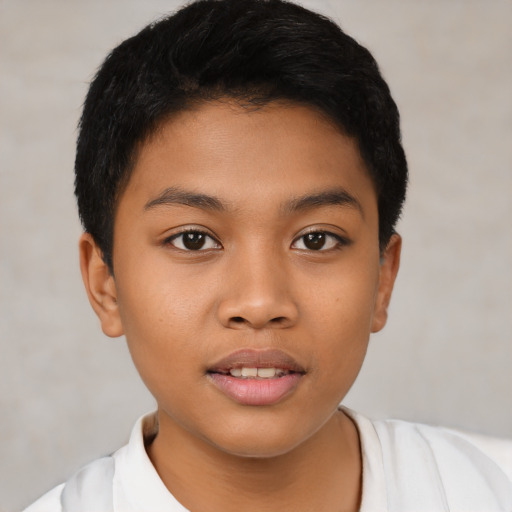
x=319 y=241
x=193 y=241
x=314 y=241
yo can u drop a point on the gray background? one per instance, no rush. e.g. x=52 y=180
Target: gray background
x=68 y=394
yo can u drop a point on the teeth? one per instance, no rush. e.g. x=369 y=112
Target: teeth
x=266 y=372
x=262 y=373
x=249 y=372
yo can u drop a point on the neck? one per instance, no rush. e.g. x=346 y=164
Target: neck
x=323 y=473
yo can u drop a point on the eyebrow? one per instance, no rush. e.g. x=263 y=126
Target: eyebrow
x=175 y=195
x=332 y=197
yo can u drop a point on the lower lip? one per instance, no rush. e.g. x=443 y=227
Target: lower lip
x=256 y=391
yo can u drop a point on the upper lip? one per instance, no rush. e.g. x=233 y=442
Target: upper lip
x=250 y=358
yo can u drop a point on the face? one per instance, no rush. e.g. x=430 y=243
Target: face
x=247 y=273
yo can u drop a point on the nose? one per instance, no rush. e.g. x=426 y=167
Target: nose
x=257 y=294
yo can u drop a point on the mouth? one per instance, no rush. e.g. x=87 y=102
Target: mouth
x=257 y=373
x=253 y=377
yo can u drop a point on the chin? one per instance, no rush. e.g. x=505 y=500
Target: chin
x=257 y=449
x=262 y=441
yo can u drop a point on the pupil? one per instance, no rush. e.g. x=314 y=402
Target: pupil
x=314 y=241
x=193 y=241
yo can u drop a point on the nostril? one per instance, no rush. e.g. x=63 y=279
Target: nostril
x=256 y=321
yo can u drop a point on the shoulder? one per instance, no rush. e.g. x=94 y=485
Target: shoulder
x=445 y=444
x=411 y=466
x=90 y=487
x=50 y=502
x=467 y=471
x=497 y=449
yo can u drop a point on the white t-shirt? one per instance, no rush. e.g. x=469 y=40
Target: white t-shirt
x=407 y=467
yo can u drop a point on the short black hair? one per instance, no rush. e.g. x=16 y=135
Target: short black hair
x=256 y=51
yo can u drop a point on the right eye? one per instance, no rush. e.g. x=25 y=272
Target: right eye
x=193 y=240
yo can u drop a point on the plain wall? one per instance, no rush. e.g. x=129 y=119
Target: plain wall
x=68 y=394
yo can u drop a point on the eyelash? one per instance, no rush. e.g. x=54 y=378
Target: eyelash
x=182 y=234
x=339 y=241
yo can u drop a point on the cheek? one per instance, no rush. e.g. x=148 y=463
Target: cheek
x=341 y=313
x=345 y=298
x=161 y=316
x=156 y=296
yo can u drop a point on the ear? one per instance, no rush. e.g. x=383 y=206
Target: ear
x=389 y=264
x=100 y=286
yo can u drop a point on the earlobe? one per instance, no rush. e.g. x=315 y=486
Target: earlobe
x=390 y=262
x=100 y=286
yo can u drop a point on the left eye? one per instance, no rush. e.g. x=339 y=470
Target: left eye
x=193 y=241
x=317 y=241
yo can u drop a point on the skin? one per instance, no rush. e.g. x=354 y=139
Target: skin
x=255 y=284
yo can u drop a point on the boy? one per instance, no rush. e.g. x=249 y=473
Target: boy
x=239 y=174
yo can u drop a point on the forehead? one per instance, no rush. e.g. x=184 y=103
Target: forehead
x=249 y=156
